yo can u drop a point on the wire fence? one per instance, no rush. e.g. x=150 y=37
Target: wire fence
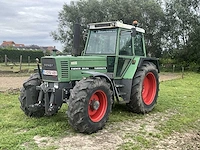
x=179 y=68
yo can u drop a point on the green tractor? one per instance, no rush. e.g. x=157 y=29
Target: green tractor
x=113 y=67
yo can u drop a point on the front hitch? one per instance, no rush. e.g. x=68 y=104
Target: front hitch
x=47 y=96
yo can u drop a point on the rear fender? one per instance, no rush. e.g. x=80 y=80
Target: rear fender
x=155 y=61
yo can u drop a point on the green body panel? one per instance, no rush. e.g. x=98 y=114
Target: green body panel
x=86 y=63
x=70 y=68
x=130 y=72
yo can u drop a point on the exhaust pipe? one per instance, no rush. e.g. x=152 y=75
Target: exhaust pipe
x=76 y=40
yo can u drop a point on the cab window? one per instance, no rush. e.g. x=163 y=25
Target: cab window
x=125 y=43
x=138 y=45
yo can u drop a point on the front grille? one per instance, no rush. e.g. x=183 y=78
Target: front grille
x=64 y=69
x=49 y=65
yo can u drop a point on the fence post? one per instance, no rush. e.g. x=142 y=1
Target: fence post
x=6 y=60
x=182 y=72
x=20 y=68
x=174 y=68
x=29 y=58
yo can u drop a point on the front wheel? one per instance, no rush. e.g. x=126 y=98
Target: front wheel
x=30 y=97
x=145 y=88
x=89 y=105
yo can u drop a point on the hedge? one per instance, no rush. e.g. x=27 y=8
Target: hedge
x=14 y=55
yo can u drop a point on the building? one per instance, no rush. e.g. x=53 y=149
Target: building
x=13 y=45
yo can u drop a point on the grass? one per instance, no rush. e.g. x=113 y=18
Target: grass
x=180 y=97
x=17 y=129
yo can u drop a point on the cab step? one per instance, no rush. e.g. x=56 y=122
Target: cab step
x=119 y=85
x=122 y=93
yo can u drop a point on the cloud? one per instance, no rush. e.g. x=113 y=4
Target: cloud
x=30 y=22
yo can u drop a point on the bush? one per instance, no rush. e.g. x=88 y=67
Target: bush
x=14 y=55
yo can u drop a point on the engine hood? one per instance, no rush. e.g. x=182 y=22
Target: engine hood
x=67 y=68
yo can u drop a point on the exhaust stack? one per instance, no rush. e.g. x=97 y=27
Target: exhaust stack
x=76 y=40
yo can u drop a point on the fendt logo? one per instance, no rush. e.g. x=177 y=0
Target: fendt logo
x=48 y=65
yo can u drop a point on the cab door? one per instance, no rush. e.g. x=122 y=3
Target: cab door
x=125 y=52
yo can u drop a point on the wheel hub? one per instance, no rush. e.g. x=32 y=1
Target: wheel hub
x=97 y=105
x=149 y=88
x=94 y=105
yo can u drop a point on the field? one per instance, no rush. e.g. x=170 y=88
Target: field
x=173 y=124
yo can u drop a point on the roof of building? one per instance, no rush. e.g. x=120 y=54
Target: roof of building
x=7 y=43
x=23 y=46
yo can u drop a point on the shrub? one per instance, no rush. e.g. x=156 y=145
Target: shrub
x=14 y=55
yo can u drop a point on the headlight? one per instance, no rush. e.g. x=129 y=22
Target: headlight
x=55 y=85
x=46 y=84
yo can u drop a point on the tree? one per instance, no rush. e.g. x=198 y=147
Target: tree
x=148 y=12
x=190 y=54
x=182 y=17
x=193 y=46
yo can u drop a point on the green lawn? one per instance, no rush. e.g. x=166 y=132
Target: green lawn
x=181 y=96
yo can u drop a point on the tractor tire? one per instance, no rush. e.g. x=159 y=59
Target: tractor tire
x=90 y=105
x=35 y=78
x=145 y=89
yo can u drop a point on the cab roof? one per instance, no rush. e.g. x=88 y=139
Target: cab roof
x=113 y=24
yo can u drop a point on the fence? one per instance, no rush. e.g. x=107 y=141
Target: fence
x=179 y=67
x=8 y=63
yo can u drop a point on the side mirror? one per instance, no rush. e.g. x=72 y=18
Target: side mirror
x=85 y=34
x=133 y=32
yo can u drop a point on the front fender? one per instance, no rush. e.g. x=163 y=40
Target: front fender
x=102 y=75
x=97 y=74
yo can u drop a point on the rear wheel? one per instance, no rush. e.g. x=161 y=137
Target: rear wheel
x=32 y=82
x=89 y=105
x=145 y=88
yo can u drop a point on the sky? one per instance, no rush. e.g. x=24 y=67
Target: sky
x=30 y=22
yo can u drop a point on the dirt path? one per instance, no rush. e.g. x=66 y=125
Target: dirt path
x=114 y=135
x=16 y=82
x=11 y=82
x=168 y=76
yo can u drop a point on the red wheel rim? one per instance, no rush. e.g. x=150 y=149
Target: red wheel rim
x=149 y=88
x=100 y=97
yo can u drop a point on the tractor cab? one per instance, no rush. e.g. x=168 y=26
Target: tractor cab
x=119 y=42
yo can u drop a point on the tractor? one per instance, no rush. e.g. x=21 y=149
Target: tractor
x=112 y=68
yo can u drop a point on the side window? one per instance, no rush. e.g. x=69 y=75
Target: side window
x=125 y=43
x=138 y=45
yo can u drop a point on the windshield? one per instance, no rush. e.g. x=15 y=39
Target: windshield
x=102 y=41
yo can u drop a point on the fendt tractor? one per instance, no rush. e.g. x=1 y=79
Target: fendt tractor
x=113 y=67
